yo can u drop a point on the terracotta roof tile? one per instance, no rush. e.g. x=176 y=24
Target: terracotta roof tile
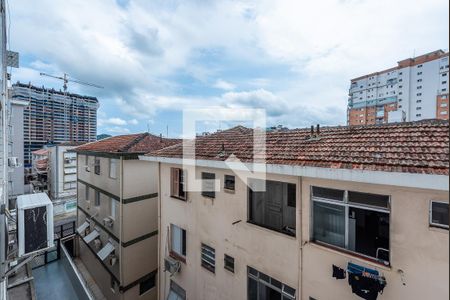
x=413 y=147
x=130 y=143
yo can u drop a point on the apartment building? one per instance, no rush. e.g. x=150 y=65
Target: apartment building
x=346 y=211
x=416 y=89
x=117 y=214
x=53 y=117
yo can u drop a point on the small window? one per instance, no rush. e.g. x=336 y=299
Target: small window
x=439 y=214
x=419 y=94
x=176 y=292
x=87 y=193
x=419 y=66
x=178 y=184
x=326 y=193
x=418 y=108
x=230 y=182
x=208 y=180
x=177 y=242
x=229 y=263
x=419 y=87
x=418 y=115
x=147 y=284
x=113 y=168
x=444 y=74
x=113 y=208
x=97 y=166
x=209 y=258
x=418 y=101
x=97 y=198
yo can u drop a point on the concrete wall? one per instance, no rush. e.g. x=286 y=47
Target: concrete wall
x=103 y=181
x=210 y=221
x=16 y=176
x=58 y=172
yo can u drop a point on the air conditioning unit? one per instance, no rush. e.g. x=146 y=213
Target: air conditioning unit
x=35 y=223
x=112 y=260
x=108 y=222
x=13 y=162
x=171 y=265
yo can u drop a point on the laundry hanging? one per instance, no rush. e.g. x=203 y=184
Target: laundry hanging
x=338 y=273
x=366 y=283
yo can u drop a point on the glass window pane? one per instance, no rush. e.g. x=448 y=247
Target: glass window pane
x=331 y=194
x=369 y=199
x=252 y=289
x=329 y=223
x=439 y=213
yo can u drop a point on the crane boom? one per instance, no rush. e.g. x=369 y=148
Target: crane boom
x=66 y=80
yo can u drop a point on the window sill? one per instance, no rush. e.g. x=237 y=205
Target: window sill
x=229 y=191
x=275 y=231
x=351 y=255
x=178 y=198
x=178 y=257
x=438 y=229
x=208 y=197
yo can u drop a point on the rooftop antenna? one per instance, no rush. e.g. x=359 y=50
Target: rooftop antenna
x=167 y=130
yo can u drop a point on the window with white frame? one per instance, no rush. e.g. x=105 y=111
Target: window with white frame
x=439 y=214
x=354 y=221
x=208 y=258
x=97 y=166
x=177 y=242
x=262 y=286
x=178 y=183
x=113 y=162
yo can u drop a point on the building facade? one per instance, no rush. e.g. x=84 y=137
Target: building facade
x=416 y=89
x=336 y=205
x=117 y=214
x=53 y=117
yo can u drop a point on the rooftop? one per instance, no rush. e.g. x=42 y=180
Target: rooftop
x=138 y=143
x=415 y=147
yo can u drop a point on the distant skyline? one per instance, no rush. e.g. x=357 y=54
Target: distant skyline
x=155 y=58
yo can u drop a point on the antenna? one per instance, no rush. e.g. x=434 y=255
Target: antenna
x=167 y=130
x=66 y=80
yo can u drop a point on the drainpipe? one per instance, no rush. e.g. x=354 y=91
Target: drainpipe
x=160 y=272
x=300 y=254
x=122 y=296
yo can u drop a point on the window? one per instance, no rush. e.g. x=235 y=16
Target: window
x=147 y=284
x=97 y=166
x=113 y=167
x=355 y=221
x=418 y=108
x=208 y=258
x=178 y=185
x=400 y=80
x=228 y=263
x=419 y=87
x=97 y=198
x=439 y=214
x=230 y=182
x=176 y=292
x=262 y=286
x=419 y=73
x=399 y=106
x=112 y=202
x=419 y=66
x=418 y=115
x=418 y=101
x=419 y=80
x=419 y=94
x=444 y=82
x=177 y=242
x=444 y=74
x=208 y=181
x=275 y=208
x=444 y=90
x=87 y=193
x=400 y=73
x=443 y=113
x=444 y=104
x=86 y=163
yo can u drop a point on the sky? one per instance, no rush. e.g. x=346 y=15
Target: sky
x=294 y=58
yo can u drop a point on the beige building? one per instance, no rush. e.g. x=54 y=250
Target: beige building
x=117 y=215
x=367 y=205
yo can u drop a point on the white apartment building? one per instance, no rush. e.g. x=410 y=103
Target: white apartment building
x=416 y=89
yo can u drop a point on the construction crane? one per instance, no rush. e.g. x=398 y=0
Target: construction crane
x=66 y=80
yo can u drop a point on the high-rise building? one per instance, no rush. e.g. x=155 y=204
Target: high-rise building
x=415 y=89
x=53 y=117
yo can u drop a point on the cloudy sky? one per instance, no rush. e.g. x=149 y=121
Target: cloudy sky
x=154 y=58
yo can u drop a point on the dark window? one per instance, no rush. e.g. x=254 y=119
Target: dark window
x=147 y=284
x=97 y=166
x=360 y=223
x=229 y=263
x=261 y=286
x=208 y=258
x=273 y=208
x=230 y=182
x=176 y=292
x=178 y=183
x=439 y=214
x=97 y=198
x=208 y=184
x=328 y=193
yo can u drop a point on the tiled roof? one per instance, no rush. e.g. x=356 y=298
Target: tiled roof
x=413 y=147
x=130 y=143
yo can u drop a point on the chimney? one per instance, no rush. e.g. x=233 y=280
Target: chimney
x=318 y=130
x=160 y=137
x=312 y=130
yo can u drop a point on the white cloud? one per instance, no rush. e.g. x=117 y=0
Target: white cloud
x=112 y=121
x=224 y=85
x=116 y=130
x=133 y=122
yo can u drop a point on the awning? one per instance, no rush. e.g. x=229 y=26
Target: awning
x=83 y=227
x=105 y=251
x=91 y=236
